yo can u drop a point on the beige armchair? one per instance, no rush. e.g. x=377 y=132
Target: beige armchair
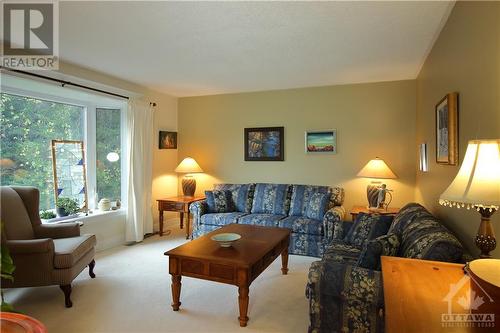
x=43 y=254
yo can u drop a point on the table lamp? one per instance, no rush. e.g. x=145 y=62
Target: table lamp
x=188 y=166
x=376 y=191
x=477 y=186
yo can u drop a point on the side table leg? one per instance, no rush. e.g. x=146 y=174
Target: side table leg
x=161 y=223
x=284 y=261
x=243 y=303
x=188 y=225
x=182 y=219
x=176 y=292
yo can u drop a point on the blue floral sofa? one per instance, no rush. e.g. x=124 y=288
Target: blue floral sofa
x=289 y=206
x=345 y=289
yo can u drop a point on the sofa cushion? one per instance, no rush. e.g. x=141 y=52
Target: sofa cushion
x=67 y=251
x=267 y=220
x=271 y=199
x=317 y=206
x=221 y=218
x=301 y=195
x=426 y=238
x=385 y=245
x=303 y=225
x=219 y=201
x=405 y=216
x=367 y=227
x=242 y=195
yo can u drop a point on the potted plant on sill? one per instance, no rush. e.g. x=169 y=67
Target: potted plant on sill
x=66 y=206
x=47 y=215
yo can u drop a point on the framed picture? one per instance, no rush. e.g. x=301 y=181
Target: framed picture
x=320 y=142
x=264 y=144
x=167 y=140
x=447 y=130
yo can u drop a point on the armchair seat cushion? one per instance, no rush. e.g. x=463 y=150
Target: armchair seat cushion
x=221 y=218
x=267 y=220
x=340 y=251
x=303 y=225
x=69 y=250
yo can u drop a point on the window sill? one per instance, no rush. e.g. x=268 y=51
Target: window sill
x=82 y=218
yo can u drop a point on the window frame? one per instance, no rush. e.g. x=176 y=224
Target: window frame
x=89 y=137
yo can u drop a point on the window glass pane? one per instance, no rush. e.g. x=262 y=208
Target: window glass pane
x=108 y=153
x=27 y=127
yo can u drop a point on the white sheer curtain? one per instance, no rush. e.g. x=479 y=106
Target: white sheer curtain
x=140 y=154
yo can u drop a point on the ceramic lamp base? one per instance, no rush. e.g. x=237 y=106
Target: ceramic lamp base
x=485 y=238
x=188 y=186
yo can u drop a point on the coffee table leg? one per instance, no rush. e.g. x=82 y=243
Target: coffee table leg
x=284 y=261
x=243 y=302
x=176 y=292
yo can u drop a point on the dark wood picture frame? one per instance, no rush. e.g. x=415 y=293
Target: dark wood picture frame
x=256 y=151
x=446 y=112
x=167 y=140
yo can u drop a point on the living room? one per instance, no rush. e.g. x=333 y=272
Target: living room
x=165 y=81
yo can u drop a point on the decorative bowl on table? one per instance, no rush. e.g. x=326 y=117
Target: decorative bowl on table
x=225 y=239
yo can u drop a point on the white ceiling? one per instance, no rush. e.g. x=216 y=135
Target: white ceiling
x=202 y=48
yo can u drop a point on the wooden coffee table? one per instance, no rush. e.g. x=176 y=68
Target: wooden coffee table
x=238 y=265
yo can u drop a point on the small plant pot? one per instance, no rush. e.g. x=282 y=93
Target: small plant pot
x=61 y=212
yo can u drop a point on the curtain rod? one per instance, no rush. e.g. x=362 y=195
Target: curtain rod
x=67 y=83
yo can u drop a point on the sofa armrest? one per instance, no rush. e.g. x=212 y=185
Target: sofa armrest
x=30 y=246
x=63 y=230
x=197 y=209
x=332 y=223
x=345 y=298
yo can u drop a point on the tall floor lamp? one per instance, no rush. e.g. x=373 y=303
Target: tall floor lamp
x=477 y=186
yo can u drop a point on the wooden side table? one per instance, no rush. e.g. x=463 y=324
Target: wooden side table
x=423 y=296
x=363 y=209
x=177 y=204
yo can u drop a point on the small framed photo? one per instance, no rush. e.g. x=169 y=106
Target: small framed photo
x=167 y=140
x=264 y=144
x=447 y=130
x=320 y=142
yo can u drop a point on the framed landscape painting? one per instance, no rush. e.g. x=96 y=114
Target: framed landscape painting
x=447 y=130
x=324 y=141
x=264 y=144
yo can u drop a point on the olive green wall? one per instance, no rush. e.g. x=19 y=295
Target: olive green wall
x=465 y=59
x=374 y=119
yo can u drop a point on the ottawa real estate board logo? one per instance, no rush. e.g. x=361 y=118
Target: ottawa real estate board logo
x=30 y=35
x=468 y=306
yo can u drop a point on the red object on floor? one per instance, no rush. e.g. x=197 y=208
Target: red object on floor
x=11 y=322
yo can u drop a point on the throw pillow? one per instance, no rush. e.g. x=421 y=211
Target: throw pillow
x=367 y=227
x=219 y=201
x=386 y=245
x=317 y=205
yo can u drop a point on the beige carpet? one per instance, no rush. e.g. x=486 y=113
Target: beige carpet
x=131 y=293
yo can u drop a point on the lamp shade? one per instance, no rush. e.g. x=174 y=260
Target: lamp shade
x=377 y=168
x=477 y=184
x=188 y=165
